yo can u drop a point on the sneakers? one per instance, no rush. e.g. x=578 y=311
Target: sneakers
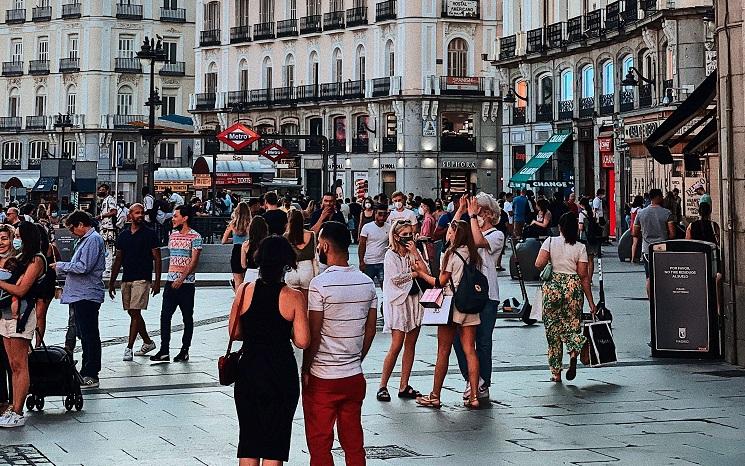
x=161 y=356
x=12 y=419
x=89 y=382
x=146 y=348
x=127 y=354
x=182 y=356
x=483 y=392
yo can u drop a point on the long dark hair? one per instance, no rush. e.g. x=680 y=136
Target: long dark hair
x=31 y=239
x=257 y=231
x=569 y=227
x=295 y=227
x=463 y=237
x=274 y=257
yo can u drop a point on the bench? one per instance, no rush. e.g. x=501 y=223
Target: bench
x=215 y=258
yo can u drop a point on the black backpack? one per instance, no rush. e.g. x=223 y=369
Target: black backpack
x=594 y=230
x=473 y=290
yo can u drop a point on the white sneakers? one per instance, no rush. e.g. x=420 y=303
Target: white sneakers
x=128 y=356
x=146 y=348
x=89 y=382
x=482 y=394
x=12 y=419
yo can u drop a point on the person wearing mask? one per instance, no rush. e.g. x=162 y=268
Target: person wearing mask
x=257 y=231
x=184 y=248
x=267 y=315
x=342 y=307
x=400 y=211
x=540 y=226
x=636 y=205
x=520 y=209
x=374 y=244
x=367 y=214
x=303 y=242
x=238 y=229
x=429 y=225
x=462 y=251
x=12 y=217
x=652 y=224
x=84 y=291
x=327 y=212
x=439 y=211
x=401 y=310
x=107 y=218
x=137 y=250
x=482 y=212
x=275 y=218
x=18 y=315
x=563 y=295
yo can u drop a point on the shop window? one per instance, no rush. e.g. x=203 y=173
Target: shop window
x=360 y=141
x=457 y=132
x=390 y=138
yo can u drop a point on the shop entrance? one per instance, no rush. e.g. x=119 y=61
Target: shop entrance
x=389 y=183
x=313 y=183
x=455 y=182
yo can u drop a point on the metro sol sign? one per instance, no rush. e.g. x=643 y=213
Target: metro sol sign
x=238 y=136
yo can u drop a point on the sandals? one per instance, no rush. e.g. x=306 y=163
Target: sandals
x=556 y=378
x=429 y=401
x=383 y=394
x=409 y=393
x=472 y=403
x=572 y=371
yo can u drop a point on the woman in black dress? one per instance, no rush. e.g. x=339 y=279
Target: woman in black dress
x=266 y=315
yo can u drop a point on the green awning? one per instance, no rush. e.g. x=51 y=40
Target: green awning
x=538 y=160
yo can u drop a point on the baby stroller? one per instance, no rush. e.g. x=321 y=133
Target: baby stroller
x=53 y=373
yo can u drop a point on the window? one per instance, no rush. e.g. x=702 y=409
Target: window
x=359 y=73
x=521 y=88
x=336 y=5
x=292 y=9
x=124 y=101
x=288 y=72
x=37 y=150
x=167 y=150
x=40 y=102
x=170 y=4
x=608 y=77
x=266 y=75
x=42 y=51
x=458 y=57
x=340 y=131
x=19 y=5
x=12 y=153
x=241 y=12
x=545 y=90
x=71 y=149
x=626 y=63
x=390 y=58
x=125 y=152
x=16 y=50
x=266 y=11
x=14 y=103
x=243 y=76
x=212 y=16
x=588 y=81
x=313 y=7
x=169 y=105
x=338 y=65
x=72 y=46
x=313 y=69
x=210 y=80
x=567 y=85
x=126 y=46
x=71 y=101
x=170 y=48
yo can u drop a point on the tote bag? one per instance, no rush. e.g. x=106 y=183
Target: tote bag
x=442 y=315
x=601 y=347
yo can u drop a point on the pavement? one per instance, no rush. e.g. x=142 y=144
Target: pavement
x=642 y=411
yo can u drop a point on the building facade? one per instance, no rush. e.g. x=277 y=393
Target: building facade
x=77 y=58
x=608 y=74
x=401 y=88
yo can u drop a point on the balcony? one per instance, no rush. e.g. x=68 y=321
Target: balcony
x=36 y=122
x=263 y=31
x=555 y=35
x=566 y=110
x=69 y=65
x=333 y=21
x=127 y=65
x=630 y=11
x=173 y=15
x=41 y=13
x=287 y=28
x=237 y=99
x=390 y=143
x=260 y=97
x=357 y=17
x=457 y=143
x=507 y=47
x=8 y=124
x=128 y=11
x=330 y=91
x=626 y=98
x=461 y=85
x=455 y=9
x=306 y=93
x=205 y=101
x=519 y=115
x=354 y=89
x=574 y=30
x=613 y=16
x=283 y=95
x=38 y=67
x=310 y=24
x=385 y=11
x=586 y=107
x=544 y=113
x=535 y=41
x=360 y=145
x=607 y=104
x=71 y=10
x=15 y=16
x=173 y=69
x=645 y=95
x=240 y=34
x=124 y=121
x=381 y=87
x=13 y=68
x=209 y=38
x=593 y=23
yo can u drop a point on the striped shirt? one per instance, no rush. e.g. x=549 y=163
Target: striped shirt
x=181 y=247
x=345 y=296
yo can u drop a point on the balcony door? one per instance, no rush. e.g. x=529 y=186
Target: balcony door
x=212 y=16
x=458 y=58
x=126 y=46
x=16 y=51
x=266 y=11
x=124 y=101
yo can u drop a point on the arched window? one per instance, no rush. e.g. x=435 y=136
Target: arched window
x=458 y=57
x=71 y=100
x=567 y=85
x=360 y=62
x=124 y=100
x=12 y=154
x=36 y=151
x=390 y=58
x=243 y=75
x=313 y=68
x=288 y=71
x=626 y=63
x=210 y=79
x=521 y=88
x=266 y=73
x=338 y=66
x=545 y=89
x=608 y=78
x=14 y=102
x=647 y=64
x=40 y=101
x=588 y=81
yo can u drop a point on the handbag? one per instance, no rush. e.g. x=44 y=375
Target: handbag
x=548 y=270
x=432 y=298
x=442 y=315
x=536 y=313
x=601 y=348
x=227 y=365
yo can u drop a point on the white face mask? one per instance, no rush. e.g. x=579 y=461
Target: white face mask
x=451 y=207
x=480 y=221
x=421 y=211
x=368 y=206
x=398 y=205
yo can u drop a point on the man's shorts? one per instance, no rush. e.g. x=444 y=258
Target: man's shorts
x=135 y=295
x=645 y=261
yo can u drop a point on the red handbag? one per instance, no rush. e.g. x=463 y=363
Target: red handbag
x=227 y=366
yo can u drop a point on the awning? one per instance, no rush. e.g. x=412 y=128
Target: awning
x=15 y=182
x=538 y=160
x=659 y=142
x=45 y=184
x=168 y=175
x=248 y=164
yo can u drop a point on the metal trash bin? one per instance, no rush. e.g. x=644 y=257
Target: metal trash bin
x=683 y=304
x=526 y=252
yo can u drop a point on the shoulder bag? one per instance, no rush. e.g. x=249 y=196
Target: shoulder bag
x=227 y=366
x=548 y=270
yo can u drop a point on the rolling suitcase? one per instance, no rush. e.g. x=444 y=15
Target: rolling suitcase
x=53 y=373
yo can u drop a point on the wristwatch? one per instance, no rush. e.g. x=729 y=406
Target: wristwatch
x=474 y=216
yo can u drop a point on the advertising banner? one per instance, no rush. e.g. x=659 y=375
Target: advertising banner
x=361 y=184
x=464 y=83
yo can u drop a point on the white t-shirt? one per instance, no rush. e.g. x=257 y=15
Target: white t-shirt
x=345 y=296
x=107 y=205
x=377 y=242
x=597 y=206
x=147 y=203
x=344 y=209
x=508 y=208
x=405 y=214
x=489 y=258
x=177 y=199
x=565 y=256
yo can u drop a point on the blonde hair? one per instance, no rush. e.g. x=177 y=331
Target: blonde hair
x=241 y=218
x=395 y=230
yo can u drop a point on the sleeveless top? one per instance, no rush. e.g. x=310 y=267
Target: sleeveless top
x=239 y=239
x=364 y=220
x=308 y=252
x=262 y=324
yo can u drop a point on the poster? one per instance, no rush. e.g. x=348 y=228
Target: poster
x=692 y=197
x=339 y=188
x=429 y=129
x=361 y=185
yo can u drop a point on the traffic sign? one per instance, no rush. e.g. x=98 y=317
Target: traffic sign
x=274 y=152
x=238 y=136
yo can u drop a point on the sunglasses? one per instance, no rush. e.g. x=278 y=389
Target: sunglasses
x=454 y=224
x=402 y=221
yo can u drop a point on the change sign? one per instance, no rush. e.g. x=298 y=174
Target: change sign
x=238 y=136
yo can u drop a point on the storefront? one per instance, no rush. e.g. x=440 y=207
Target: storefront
x=17 y=189
x=457 y=177
x=608 y=177
x=178 y=180
x=243 y=175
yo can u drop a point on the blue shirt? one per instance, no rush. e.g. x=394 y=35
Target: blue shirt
x=519 y=208
x=84 y=272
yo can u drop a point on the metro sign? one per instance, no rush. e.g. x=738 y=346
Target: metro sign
x=274 y=152
x=238 y=136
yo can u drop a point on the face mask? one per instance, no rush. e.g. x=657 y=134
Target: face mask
x=480 y=221
x=322 y=257
x=405 y=240
x=368 y=206
x=451 y=207
x=17 y=244
x=398 y=205
x=421 y=211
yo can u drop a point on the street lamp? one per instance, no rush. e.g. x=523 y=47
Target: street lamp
x=154 y=52
x=62 y=121
x=630 y=80
x=512 y=96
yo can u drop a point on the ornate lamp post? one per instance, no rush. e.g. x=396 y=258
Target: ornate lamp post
x=154 y=52
x=62 y=121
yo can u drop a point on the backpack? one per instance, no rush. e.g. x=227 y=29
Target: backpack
x=594 y=231
x=473 y=290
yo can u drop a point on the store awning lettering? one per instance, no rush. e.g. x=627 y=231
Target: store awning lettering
x=537 y=161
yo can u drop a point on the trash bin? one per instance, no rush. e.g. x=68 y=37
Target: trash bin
x=526 y=252
x=683 y=304
x=625 y=244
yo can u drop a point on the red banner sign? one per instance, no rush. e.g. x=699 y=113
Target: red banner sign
x=605 y=144
x=238 y=136
x=607 y=160
x=463 y=83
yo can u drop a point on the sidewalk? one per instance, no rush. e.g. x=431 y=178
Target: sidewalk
x=642 y=411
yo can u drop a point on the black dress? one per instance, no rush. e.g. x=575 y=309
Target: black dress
x=268 y=388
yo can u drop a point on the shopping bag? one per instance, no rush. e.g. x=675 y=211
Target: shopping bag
x=442 y=315
x=432 y=297
x=536 y=313
x=602 y=348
